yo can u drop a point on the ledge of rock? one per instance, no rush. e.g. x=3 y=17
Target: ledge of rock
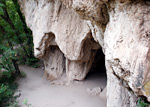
x=68 y=33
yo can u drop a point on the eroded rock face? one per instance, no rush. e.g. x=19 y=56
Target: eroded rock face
x=52 y=23
x=54 y=62
x=67 y=34
x=127 y=44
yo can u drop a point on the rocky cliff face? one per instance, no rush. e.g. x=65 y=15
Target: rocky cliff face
x=68 y=33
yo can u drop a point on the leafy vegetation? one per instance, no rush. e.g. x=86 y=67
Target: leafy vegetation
x=142 y=104
x=16 y=47
x=25 y=102
x=6 y=94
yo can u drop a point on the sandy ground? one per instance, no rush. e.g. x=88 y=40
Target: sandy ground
x=41 y=93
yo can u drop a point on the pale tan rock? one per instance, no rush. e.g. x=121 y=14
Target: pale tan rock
x=54 y=62
x=70 y=30
x=94 y=10
x=96 y=14
x=78 y=69
x=94 y=91
x=126 y=44
x=54 y=24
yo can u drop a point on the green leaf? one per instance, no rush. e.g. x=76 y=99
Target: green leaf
x=1 y=11
x=2 y=5
x=2 y=47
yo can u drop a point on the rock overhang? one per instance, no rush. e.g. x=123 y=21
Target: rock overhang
x=120 y=27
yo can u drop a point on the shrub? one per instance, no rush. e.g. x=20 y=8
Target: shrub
x=142 y=104
x=6 y=94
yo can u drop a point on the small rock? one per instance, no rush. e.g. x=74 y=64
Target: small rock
x=94 y=91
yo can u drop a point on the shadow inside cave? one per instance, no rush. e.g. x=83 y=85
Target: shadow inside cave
x=97 y=74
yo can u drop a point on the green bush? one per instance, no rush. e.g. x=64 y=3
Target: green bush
x=6 y=94
x=7 y=88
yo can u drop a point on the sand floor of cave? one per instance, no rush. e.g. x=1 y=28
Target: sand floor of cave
x=41 y=93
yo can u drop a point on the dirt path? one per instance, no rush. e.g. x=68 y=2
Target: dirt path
x=41 y=93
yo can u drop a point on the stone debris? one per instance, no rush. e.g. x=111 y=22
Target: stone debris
x=94 y=91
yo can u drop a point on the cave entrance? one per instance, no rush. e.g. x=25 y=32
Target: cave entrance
x=97 y=74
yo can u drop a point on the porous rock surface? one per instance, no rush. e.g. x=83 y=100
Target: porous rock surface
x=68 y=33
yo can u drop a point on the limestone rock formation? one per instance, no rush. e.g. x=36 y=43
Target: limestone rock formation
x=68 y=33
x=52 y=24
x=127 y=44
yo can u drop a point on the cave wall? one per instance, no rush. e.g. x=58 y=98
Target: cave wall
x=67 y=34
x=126 y=46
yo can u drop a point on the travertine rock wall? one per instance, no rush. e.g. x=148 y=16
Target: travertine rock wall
x=127 y=45
x=68 y=33
x=54 y=62
x=51 y=22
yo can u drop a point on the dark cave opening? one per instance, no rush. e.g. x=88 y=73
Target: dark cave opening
x=98 y=70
